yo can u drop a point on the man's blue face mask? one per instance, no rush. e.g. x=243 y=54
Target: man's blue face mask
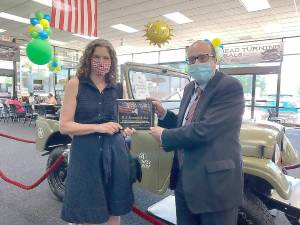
x=201 y=73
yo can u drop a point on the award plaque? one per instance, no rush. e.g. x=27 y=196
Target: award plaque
x=137 y=114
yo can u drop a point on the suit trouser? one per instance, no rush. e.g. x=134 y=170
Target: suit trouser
x=186 y=217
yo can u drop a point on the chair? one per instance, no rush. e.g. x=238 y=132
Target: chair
x=13 y=112
x=273 y=116
x=5 y=113
x=30 y=114
x=14 y=115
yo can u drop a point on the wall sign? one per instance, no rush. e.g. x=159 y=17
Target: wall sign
x=253 y=52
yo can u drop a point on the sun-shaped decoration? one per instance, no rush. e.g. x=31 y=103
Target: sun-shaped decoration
x=158 y=32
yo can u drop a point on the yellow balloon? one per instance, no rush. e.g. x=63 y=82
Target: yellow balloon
x=44 y=23
x=31 y=29
x=216 y=42
x=158 y=32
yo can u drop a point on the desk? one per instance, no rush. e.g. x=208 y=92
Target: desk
x=43 y=109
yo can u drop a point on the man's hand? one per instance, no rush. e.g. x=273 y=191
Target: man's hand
x=128 y=132
x=159 y=109
x=156 y=133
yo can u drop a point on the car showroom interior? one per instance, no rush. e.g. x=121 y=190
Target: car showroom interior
x=140 y=112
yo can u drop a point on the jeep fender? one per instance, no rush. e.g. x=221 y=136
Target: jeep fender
x=268 y=171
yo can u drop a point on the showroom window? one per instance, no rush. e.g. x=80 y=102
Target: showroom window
x=290 y=89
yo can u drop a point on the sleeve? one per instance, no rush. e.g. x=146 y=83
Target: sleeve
x=224 y=112
x=169 y=121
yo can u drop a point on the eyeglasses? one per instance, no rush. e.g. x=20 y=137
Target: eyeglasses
x=201 y=58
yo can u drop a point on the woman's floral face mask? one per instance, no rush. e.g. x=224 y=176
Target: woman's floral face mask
x=100 y=67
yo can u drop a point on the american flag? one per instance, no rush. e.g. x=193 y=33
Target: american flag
x=76 y=16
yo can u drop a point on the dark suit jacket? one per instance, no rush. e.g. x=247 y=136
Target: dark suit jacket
x=212 y=176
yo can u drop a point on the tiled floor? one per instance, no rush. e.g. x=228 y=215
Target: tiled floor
x=22 y=162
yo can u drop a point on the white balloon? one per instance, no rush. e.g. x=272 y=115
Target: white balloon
x=39 y=28
x=219 y=52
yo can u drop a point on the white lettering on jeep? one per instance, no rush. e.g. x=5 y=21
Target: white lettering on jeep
x=145 y=163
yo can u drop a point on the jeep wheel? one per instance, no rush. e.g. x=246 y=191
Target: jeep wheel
x=254 y=211
x=56 y=179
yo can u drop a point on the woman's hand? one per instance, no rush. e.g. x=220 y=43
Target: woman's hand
x=108 y=128
x=128 y=132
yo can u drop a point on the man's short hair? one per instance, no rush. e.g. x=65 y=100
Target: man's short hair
x=213 y=50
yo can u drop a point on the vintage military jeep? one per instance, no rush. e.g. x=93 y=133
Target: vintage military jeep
x=266 y=150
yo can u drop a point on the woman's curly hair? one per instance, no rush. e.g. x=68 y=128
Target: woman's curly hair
x=84 y=68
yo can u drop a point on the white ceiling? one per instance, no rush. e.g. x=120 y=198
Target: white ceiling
x=227 y=19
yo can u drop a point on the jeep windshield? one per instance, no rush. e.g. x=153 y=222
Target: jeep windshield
x=167 y=87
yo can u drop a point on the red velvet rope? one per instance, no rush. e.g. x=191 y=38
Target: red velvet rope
x=146 y=216
x=137 y=211
x=292 y=167
x=17 y=139
x=40 y=180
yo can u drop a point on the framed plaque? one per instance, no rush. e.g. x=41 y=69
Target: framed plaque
x=137 y=114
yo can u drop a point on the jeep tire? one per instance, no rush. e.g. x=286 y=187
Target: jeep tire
x=254 y=211
x=56 y=179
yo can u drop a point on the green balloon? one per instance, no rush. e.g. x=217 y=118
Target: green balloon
x=39 y=15
x=34 y=34
x=39 y=51
x=48 y=30
x=55 y=59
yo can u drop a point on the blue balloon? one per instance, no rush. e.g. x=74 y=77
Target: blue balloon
x=43 y=35
x=222 y=47
x=54 y=64
x=34 y=21
x=47 y=17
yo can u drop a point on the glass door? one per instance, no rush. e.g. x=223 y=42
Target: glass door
x=247 y=83
x=6 y=90
x=260 y=93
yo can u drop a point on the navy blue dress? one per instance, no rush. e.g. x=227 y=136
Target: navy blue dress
x=98 y=181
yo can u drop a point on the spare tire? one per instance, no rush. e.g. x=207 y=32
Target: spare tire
x=254 y=211
x=57 y=178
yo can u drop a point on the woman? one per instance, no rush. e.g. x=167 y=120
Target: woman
x=98 y=188
x=20 y=111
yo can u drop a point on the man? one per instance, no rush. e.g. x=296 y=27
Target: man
x=207 y=168
x=51 y=99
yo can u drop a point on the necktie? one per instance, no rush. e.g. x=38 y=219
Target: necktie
x=188 y=120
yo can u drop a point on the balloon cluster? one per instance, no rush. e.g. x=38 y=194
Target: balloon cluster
x=40 y=26
x=217 y=43
x=38 y=50
x=54 y=64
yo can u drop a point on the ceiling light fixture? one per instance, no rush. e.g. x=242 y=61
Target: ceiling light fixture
x=44 y=2
x=255 y=5
x=124 y=28
x=85 y=37
x=14 y=18
x=178 y=18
